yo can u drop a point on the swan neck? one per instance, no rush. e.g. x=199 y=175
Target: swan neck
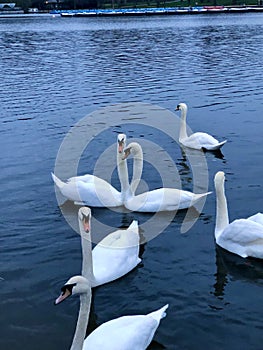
x=123 y=175
x=87 y=264
x=82 y=323
x=222 y=219
x=183 y=133
x=137 y=169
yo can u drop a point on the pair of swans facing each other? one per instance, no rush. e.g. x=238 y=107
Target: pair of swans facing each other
x=127 y=332
x=243 y=237
x=93 y=191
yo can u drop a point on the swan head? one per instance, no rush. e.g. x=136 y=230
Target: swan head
x=75 y=285
x=219 y=179
x=84 y=216
x=121 y=142
x=132 y=149
x=181 y=107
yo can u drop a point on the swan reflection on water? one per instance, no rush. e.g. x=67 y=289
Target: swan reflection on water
x=232 y=266
x=194 y=156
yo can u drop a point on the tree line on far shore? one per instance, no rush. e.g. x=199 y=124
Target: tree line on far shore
x=47 y=5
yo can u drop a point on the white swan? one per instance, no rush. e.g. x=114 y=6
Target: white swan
x=91 y=190
x=113 y=257
x=198 y=140
x=161 y=199
x=123 y=333
x=243 y=237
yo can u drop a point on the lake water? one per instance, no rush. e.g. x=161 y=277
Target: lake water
x=54 y=72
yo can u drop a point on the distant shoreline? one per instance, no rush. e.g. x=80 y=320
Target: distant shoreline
x=157 y=11
x=136 y=11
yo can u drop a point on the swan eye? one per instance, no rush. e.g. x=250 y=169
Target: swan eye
x=68 y=287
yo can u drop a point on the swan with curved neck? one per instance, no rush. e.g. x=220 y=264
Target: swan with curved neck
x=161 y=199
x=243 y=237
x=113 y=257
x=198 y=140
x=91 y=190
x=126 y=332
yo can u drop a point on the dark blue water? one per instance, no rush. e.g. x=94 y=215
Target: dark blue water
x=55 y=71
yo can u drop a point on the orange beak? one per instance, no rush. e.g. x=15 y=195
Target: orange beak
x=120 y=147
x=86 y=226
x=127 y=152
x=62 y=296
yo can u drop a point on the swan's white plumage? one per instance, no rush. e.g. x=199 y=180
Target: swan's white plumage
x=161 y=199
x=116 y=255
x=198 y=140
x=125 y=333
x=243 y=237
x=202 y=140
x=113 y=257
x=90 y=189
x=257 y=218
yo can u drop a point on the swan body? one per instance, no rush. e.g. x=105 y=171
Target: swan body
x=91 y=190
x=113 y=257
x=198 y=140
x=161 y=199
x=123 y=333
x=126 y=332
x=243 y=237
x=116 y=255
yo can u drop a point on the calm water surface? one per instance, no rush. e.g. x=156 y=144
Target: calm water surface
x=54 y=71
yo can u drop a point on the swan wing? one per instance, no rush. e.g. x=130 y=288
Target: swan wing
x=97 y=193
x=115 y=256
x=162 y=199
x=257 y=218
x=89 y=190
x=127 y=332
x=124 y=238
x=202 y=140
x=243 y=237
x=85 y=178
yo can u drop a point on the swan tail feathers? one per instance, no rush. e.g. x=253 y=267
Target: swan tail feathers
x=60 y=184
x=134 y=225
x=218 y=146
x=201 y=195
x=159 y=314
x=222 y=143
